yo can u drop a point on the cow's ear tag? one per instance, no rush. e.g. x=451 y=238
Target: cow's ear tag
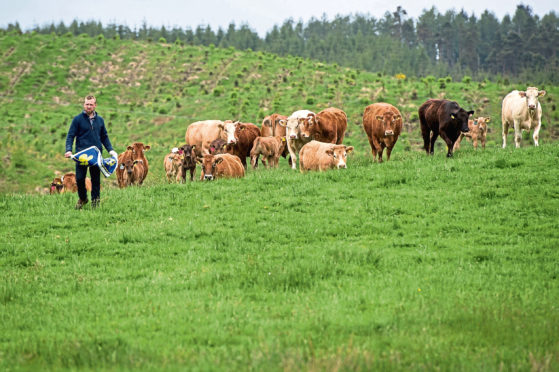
x=453 y=116
x=121 y=166
x=283 y=139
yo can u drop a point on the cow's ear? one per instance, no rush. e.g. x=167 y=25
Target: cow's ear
x=330 y=152
x=218 y=160
x=193 y=147
x=220 y=126
x=267 y=123
x=224 y=147
x=379 y=118
x=471 y=112
x=129 y=148
x=541 y=93
x=349 y=149
x=199 y=159
x=282 y=139
x=487 y=119
x=242 y=127
x=522 y=94
x=282 y=122
x=147 y=147
x=397 y=117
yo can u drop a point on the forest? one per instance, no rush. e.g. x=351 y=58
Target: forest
x=518 y=48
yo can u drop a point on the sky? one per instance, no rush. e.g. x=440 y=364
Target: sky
x=260 y=15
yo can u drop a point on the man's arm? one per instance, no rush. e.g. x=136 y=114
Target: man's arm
x=70 y=138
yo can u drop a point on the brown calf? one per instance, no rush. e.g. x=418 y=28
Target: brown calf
x=245 y=134
x=171 y=163
x=187 y=162
x=67 y=183
x=270 y=148
x=221 y=166
x=478 y=131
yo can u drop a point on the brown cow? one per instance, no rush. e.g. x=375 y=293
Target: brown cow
x=220 y=166
x=187 y=162
x=218 y=146
x=134 y=170
x=245 y=134
x=383 y=124
x=202 y=133
x=67 y=183
x=444 y=117
x=120 y=170
x=323 y=156
x=328 y=126
x=478 y=130
x=171 y=163
x=270 y=148
x=138 y=156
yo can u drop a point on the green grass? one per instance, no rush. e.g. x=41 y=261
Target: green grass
x=417 y=263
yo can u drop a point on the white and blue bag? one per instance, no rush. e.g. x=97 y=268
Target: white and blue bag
x=92 y=156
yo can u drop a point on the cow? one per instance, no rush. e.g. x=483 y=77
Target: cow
x=220 y=166
x=187 y=155
x=293 y=133
x=245 y=134
x=383 y=124
x=134 y=171
x=522 y=111
x=202 y=133
x=477 y=131
x=328 y=126
x=120 y=170
x=134 y=152
x=67 y=183
x=218 y=146
x=171 y=163
x=270 y=148
x=444 y=117
x=322 y=156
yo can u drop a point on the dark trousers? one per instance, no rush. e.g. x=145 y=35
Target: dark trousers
x=95 y=174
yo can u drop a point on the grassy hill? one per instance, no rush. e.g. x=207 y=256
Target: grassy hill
x=414 y=264
x=150 y=92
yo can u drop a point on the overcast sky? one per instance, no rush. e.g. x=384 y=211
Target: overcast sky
x=260 y=15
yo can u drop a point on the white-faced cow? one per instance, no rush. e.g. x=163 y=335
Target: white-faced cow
x=293 y=133
x=522 y=111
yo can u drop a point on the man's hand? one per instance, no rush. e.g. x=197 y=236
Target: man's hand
x=68 y=154
x=113 y=153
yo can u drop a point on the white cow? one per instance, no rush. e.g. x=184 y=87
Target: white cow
x=293 y=134
x=523 y=111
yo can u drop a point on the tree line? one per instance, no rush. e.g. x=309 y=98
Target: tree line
x=521 y=48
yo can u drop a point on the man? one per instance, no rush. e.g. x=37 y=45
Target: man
x=88 y=129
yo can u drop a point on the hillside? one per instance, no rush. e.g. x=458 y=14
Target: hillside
x=150 y=92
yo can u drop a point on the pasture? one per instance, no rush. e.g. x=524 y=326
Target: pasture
x=419 y=263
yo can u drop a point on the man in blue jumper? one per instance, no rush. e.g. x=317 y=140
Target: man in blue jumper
x=88 y=129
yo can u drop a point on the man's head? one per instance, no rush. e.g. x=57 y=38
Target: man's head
x=89 y=104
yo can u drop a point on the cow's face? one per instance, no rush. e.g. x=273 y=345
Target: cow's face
x=481 y=123
x=308 y=126
x=187 y=155
x=339 y=155
x=209 y=166
x=228 y=132
x=388 y=120
x=56 y=186
x=460 y=118
x=292 y=127
x=532 y=94
x=138 y=149
x=218 y=146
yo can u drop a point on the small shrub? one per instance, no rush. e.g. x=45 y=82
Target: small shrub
x=162 y=40
x=310 y=101
x=467 y=79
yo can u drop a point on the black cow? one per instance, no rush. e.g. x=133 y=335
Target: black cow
x=188 y=161
x=444 y=117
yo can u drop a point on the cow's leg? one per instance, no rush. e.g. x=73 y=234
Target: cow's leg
x=293 y=156
x=192 y=171
x=373 y=149
x=536 y=135
x=449 y=144
x=505 y=131
x=426 y=134
x=517 y=133
x=483 y=139
x=434 y=136
x=388 y=152
x=474 y=140
x=380 y=152
x=377 y=150
x=457 y=143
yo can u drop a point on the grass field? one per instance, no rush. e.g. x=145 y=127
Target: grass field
x=420 y=263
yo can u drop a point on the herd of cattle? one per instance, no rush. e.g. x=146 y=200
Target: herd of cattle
x=316 y=139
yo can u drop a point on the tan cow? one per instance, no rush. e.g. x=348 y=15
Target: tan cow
x=270 y=148
x=138 y=150
x=293 y=133
x=329 y=126
x=171 y=163
x=221 y=166
x=322 y=156
x=478 y=131
x=383 y=124
x=67 y=183
x=202 y=133
x=522 y=111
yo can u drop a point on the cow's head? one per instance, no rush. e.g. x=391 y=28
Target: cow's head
x=292 y=126
x=532 y=94
x=209 y=166
x=228 y=131
x=138 y=149
x=308 y=126
x=481 y=123
x=56 y=186
x=187 y=155
x=339 y=155
x=388 y=120
x=218 y=146
x=460 y=118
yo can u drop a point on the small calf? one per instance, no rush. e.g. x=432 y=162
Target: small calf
x=221 y=166
x=218 y=146
x=477 y=131
x=187 y=155
x=271 y=148
x=323 y=156
x=171 y=164
x=134 y=171
x=67 y=183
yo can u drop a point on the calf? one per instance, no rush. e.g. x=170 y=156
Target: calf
x=138 y=149
x=444 y=117
x=218 y=146
x=270 y=148
x=523 y=111
x=221 y=166
x=120 y=170
x=477 y=130
x=171 y=163
x=328 y=126
x=293 y=133
x=133 y=172
x=245 y=134
x=323 y=156
x=187 y=162
x=383 y=124
x=67 y=183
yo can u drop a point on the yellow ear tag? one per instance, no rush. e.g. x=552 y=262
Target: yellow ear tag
x=282 y=139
